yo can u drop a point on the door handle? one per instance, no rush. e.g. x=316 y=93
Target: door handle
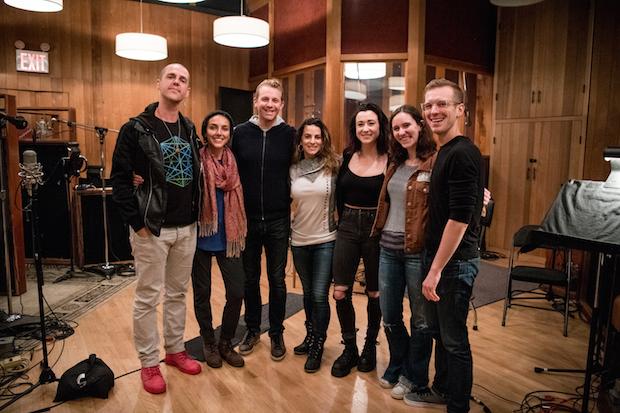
x=539 y=93
x=527 y=174
x=533 y=96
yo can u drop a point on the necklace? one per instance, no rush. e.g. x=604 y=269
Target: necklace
x=177 y=148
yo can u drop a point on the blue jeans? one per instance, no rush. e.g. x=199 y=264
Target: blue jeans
x=447 y=323
x=398 y=271
x=273 y=235
x=314 y=266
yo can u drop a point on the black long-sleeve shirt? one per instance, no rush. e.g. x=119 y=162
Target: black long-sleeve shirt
x=456 y=191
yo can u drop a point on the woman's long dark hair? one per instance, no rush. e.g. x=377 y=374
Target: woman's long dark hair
x=425 y=146
x=384 y=129
x=327 y=151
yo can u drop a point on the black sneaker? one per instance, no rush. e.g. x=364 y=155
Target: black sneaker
x=278 y=349
x=425 y=398
x=250 y=339
x=347 y=360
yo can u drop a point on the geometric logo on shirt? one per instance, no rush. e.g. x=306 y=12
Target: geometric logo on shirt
x=177 y=161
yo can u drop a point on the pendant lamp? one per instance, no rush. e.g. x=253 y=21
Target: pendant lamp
x=241 y=31
x=141 y=46
x=366 y=70
x=46 y=6
x=514 y=3
x=355 y=90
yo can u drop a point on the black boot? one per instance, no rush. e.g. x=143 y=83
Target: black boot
x=305 y=345
x=347 y=360
x=315 y=354
x=368 y=358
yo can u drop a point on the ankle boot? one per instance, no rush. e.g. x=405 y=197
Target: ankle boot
x=347 y=360
x=212 y=355
x=368 y=358
x=305 y=345
x=315 y=354
x=229 y=354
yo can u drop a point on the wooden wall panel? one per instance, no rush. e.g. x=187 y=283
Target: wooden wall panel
x=370 y=26
x=299 y=32
x=105 y=89
x=259 y=57
x=604 y=108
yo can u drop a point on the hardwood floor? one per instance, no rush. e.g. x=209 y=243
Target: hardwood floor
x=504 y=358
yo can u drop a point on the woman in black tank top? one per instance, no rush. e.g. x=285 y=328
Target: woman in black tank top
x=357 y=194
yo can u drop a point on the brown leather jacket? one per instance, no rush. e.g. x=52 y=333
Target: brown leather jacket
x=416 y=212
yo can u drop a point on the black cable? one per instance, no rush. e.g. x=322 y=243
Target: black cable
x=496 y=395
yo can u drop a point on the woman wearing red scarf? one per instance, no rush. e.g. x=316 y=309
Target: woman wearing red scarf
x=221 y=234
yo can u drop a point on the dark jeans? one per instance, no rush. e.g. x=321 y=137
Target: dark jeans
x=447 y=323
x=234 y=280
x=314 y=266
x=353 y=241
x=398 y=271
x=273 y=235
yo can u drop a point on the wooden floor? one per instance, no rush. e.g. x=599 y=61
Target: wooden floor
x=504 y=358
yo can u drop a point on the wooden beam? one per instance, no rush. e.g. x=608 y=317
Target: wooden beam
x=334 y=83
x=415 y=77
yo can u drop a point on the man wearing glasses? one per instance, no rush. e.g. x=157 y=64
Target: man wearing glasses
x=451 y=258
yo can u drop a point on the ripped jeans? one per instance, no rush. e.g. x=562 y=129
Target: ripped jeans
x=397 y=271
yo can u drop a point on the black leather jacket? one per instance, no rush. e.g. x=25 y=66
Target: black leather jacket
x=138 y=151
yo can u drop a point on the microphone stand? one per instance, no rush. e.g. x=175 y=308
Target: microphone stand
x=106 y=269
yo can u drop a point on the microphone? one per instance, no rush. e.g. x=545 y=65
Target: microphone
x=18 y=121
x=30 y=171
x=67 y=122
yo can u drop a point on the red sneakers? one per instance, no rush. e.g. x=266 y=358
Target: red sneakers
x=183 y=362
x=152 y=380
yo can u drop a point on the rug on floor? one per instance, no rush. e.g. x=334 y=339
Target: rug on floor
x=294 y=304
x=491 y=282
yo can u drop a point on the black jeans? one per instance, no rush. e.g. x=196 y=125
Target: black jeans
x=353 y=242
x=273 y=236
x=234 y=280
x=447 y=323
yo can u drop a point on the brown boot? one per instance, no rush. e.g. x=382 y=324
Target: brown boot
x=228 y=353
x=212 y=355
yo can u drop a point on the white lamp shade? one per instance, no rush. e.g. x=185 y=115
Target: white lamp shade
x=395 y=101
x=354 y=90
x=141 y=46
x=241 y=31
x=514 y=3
x=396 y=83
x=46 y=6
x=365 y=70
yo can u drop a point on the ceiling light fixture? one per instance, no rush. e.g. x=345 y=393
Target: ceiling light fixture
x=141 y=46
x=355 y=90
x=365 y=70
x=612 y=155
x=241 y=31
x=396 y=83
x=395 y=101
x=45 y=6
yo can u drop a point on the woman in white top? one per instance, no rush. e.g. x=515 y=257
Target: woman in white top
x=313 y=230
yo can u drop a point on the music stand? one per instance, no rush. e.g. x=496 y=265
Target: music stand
x=72 y=165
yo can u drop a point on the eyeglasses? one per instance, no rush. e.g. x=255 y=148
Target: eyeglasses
x=441 y=104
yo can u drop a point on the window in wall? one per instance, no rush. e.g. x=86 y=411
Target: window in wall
x=382 y=83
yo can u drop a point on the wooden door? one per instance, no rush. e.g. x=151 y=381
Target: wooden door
x=551 y=163
x=509 y=181
x=515 y=61
x=561 y=33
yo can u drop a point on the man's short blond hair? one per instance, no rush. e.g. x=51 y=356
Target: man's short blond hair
x=271 y=82
x=456 y=89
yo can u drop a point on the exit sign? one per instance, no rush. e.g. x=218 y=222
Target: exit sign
x=32 y=61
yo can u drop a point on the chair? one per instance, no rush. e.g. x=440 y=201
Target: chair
x=528 y=238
